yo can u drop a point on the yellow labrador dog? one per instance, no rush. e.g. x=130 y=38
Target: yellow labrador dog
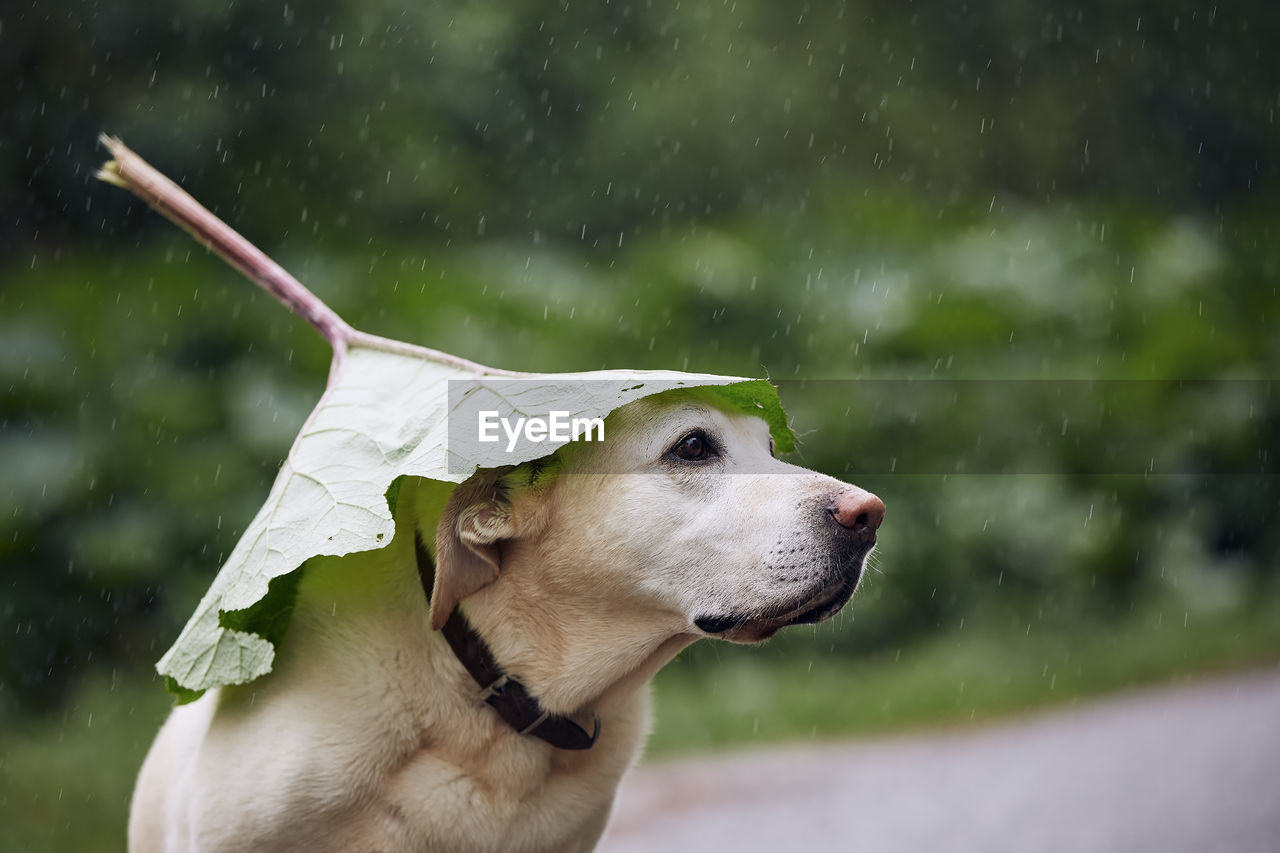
x=486 y=690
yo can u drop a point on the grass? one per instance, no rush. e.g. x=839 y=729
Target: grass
x=957 y=678
x=66 y=778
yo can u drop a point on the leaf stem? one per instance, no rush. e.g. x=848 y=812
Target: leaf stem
x=131 y=172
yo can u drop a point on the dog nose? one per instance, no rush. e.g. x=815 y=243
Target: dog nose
x=858 y=512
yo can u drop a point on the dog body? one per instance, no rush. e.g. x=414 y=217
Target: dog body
x=583 y=576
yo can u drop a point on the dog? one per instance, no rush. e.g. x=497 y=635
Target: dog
x=485 y=687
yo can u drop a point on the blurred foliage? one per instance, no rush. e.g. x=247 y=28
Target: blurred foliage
x=934 y=224
x=444 y=119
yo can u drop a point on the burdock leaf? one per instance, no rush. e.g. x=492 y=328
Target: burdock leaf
x=386 y=413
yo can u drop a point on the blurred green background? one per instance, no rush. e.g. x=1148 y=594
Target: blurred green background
x=930 y=195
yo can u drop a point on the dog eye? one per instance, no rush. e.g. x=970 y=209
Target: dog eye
x=694 y=447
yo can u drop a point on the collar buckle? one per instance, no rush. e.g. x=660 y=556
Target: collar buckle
x=495 y=689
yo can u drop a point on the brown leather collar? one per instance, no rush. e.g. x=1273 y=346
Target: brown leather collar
x=509 y=697
x=500 y=691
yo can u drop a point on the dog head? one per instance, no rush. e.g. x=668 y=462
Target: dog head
x=681 y=520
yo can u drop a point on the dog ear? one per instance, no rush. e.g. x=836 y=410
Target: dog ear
x=475 y=521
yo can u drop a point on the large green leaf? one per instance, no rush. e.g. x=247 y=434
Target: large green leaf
x=386 y=414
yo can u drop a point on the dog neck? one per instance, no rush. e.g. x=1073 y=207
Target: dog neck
x=506 y=695
x=542 y=648
x=575 y=658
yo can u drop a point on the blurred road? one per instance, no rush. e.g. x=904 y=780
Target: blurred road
x=1194 y=768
